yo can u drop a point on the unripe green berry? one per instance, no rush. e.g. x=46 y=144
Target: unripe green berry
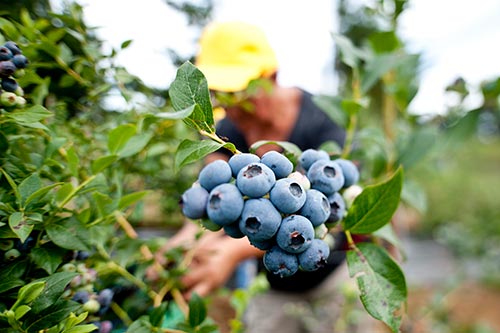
x=69 y=267
x=20 y=101
x=8 y=99
x=91 y=306
x=20 y=72
x=12 y=254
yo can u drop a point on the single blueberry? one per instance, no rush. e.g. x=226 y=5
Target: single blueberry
x=337 y=208
x=309 y=156
x=280 y=262
x=316 y=207
x=13 y=47
x=315 y=256
x=224 y=204
x=287 y=195
x=295 y=234
x=233 y=230
x=349 y=170
x=5 y=53
x=20 y=61
x=279 y=163
x=255 y=180
x=7 y=68
x=214 y=173
x=326 y=176
x=239 y=161
x=194 y=202
x=9 y=84
x=259 y=219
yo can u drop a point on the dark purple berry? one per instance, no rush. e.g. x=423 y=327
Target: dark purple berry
x=7 y=68
x=81 y=296
x=9 y=84
x=5 y=53
x=12 y=46
x=20 y=61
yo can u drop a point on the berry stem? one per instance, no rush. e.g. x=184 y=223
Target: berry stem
x=216 y=138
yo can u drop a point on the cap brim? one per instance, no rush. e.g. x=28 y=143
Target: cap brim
x=229 y=78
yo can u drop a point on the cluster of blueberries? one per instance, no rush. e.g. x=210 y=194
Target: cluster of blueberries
x=82 y=290
x=12 y=65
x=284 y=212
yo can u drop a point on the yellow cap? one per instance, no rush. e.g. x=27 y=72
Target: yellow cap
x=234 y=53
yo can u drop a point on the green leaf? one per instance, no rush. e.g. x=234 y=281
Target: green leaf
x=51 y=316
x=181 y=114
x=197 y=310
x=158 y=314
x=384 y=41
x=28 y=186
x=331 y=105
x=64 y=191
x=374 y=207
x=118 y=137
x=48 y=259
x=381 y=283
x=29 y=293
x=190 y=89
x=55 y=285
x=102 y=163
x=135 y=145
x=141 y=325
x=33 y=114
x=4 y=143
x=10 y=276
x=126 y=44
x=388 y=234
x=131 y=199
x=420 y=143
x=12 y=184
x=349 y=54
x=190 y=151
x=19 y=225
x=40 y=193
x=21 y=311
x=73 y=161
x=69 y=234
x=87 y=328
x=376 y=67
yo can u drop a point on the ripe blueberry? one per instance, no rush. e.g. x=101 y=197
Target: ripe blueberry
x=279 y=163
x=280 y=262
x=238 y=161
x=309 y=156
x=12 y=46
x=316 y=207
x=20 y=61
x=194 y=202
x=9 y=85
x=7 y=68
x=225 y=204
x=233 y=230
x=287 y=195
x=259 y=219
x=337 y=208
x=350 y=171
x=295 y=234
x=255 y=180
x=326 y=176
x=315 y=256
x=214 y=173
x=5 y=53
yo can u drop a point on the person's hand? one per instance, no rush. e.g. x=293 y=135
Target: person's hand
x=214 y=260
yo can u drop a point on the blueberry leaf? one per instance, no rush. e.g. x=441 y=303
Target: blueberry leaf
x=190 y=90
x=374 y=207
x=197 y=310
x=381 y=283
x=190 y=151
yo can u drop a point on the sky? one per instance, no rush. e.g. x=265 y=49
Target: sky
x=456 y=38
